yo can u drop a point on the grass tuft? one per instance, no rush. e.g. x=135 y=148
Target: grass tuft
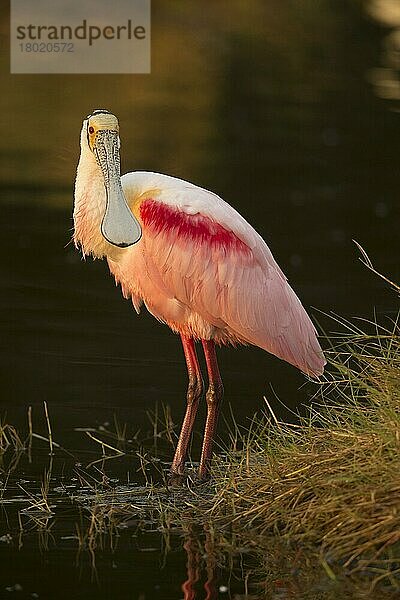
x=331 y=482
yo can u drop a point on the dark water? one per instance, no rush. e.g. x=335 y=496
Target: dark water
x=290 y=113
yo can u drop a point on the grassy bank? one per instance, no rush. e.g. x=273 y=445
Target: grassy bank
x=331 y=483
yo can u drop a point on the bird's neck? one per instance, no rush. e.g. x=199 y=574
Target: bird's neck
x=89 y=206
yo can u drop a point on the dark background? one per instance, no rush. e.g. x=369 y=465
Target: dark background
x=288 y=110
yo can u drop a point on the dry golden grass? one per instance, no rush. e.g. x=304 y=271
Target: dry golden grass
x=331 y=483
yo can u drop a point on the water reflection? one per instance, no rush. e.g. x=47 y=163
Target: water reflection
x=201 y=559
x=83 y=521
x=271 y=105
x=108 y=536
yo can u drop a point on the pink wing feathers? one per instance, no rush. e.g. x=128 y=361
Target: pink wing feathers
x=209 y=258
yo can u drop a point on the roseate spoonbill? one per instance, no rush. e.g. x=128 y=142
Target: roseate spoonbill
x=194 y=262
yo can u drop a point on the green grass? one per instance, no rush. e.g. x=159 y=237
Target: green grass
x=330 y=484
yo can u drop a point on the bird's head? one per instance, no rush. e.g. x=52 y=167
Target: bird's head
x=100 y=136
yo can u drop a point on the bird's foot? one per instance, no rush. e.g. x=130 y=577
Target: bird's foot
x=203 y=473
x=202 y=478
x=189 y=478
x=176 y=480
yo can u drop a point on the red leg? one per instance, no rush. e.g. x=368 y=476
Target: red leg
x=194 y=393
x=214 y=397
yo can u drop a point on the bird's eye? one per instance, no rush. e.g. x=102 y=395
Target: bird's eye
x=91 y=129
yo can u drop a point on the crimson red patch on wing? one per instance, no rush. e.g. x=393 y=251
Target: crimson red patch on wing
x=158 y=217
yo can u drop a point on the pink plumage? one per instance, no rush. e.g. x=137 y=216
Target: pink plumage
x=196 y=264
x=203 y=270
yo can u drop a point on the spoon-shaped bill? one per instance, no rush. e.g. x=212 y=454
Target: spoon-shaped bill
x=119 y=226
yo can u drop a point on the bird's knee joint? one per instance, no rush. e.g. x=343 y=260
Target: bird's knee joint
x=214 y=394
x=194 y=391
